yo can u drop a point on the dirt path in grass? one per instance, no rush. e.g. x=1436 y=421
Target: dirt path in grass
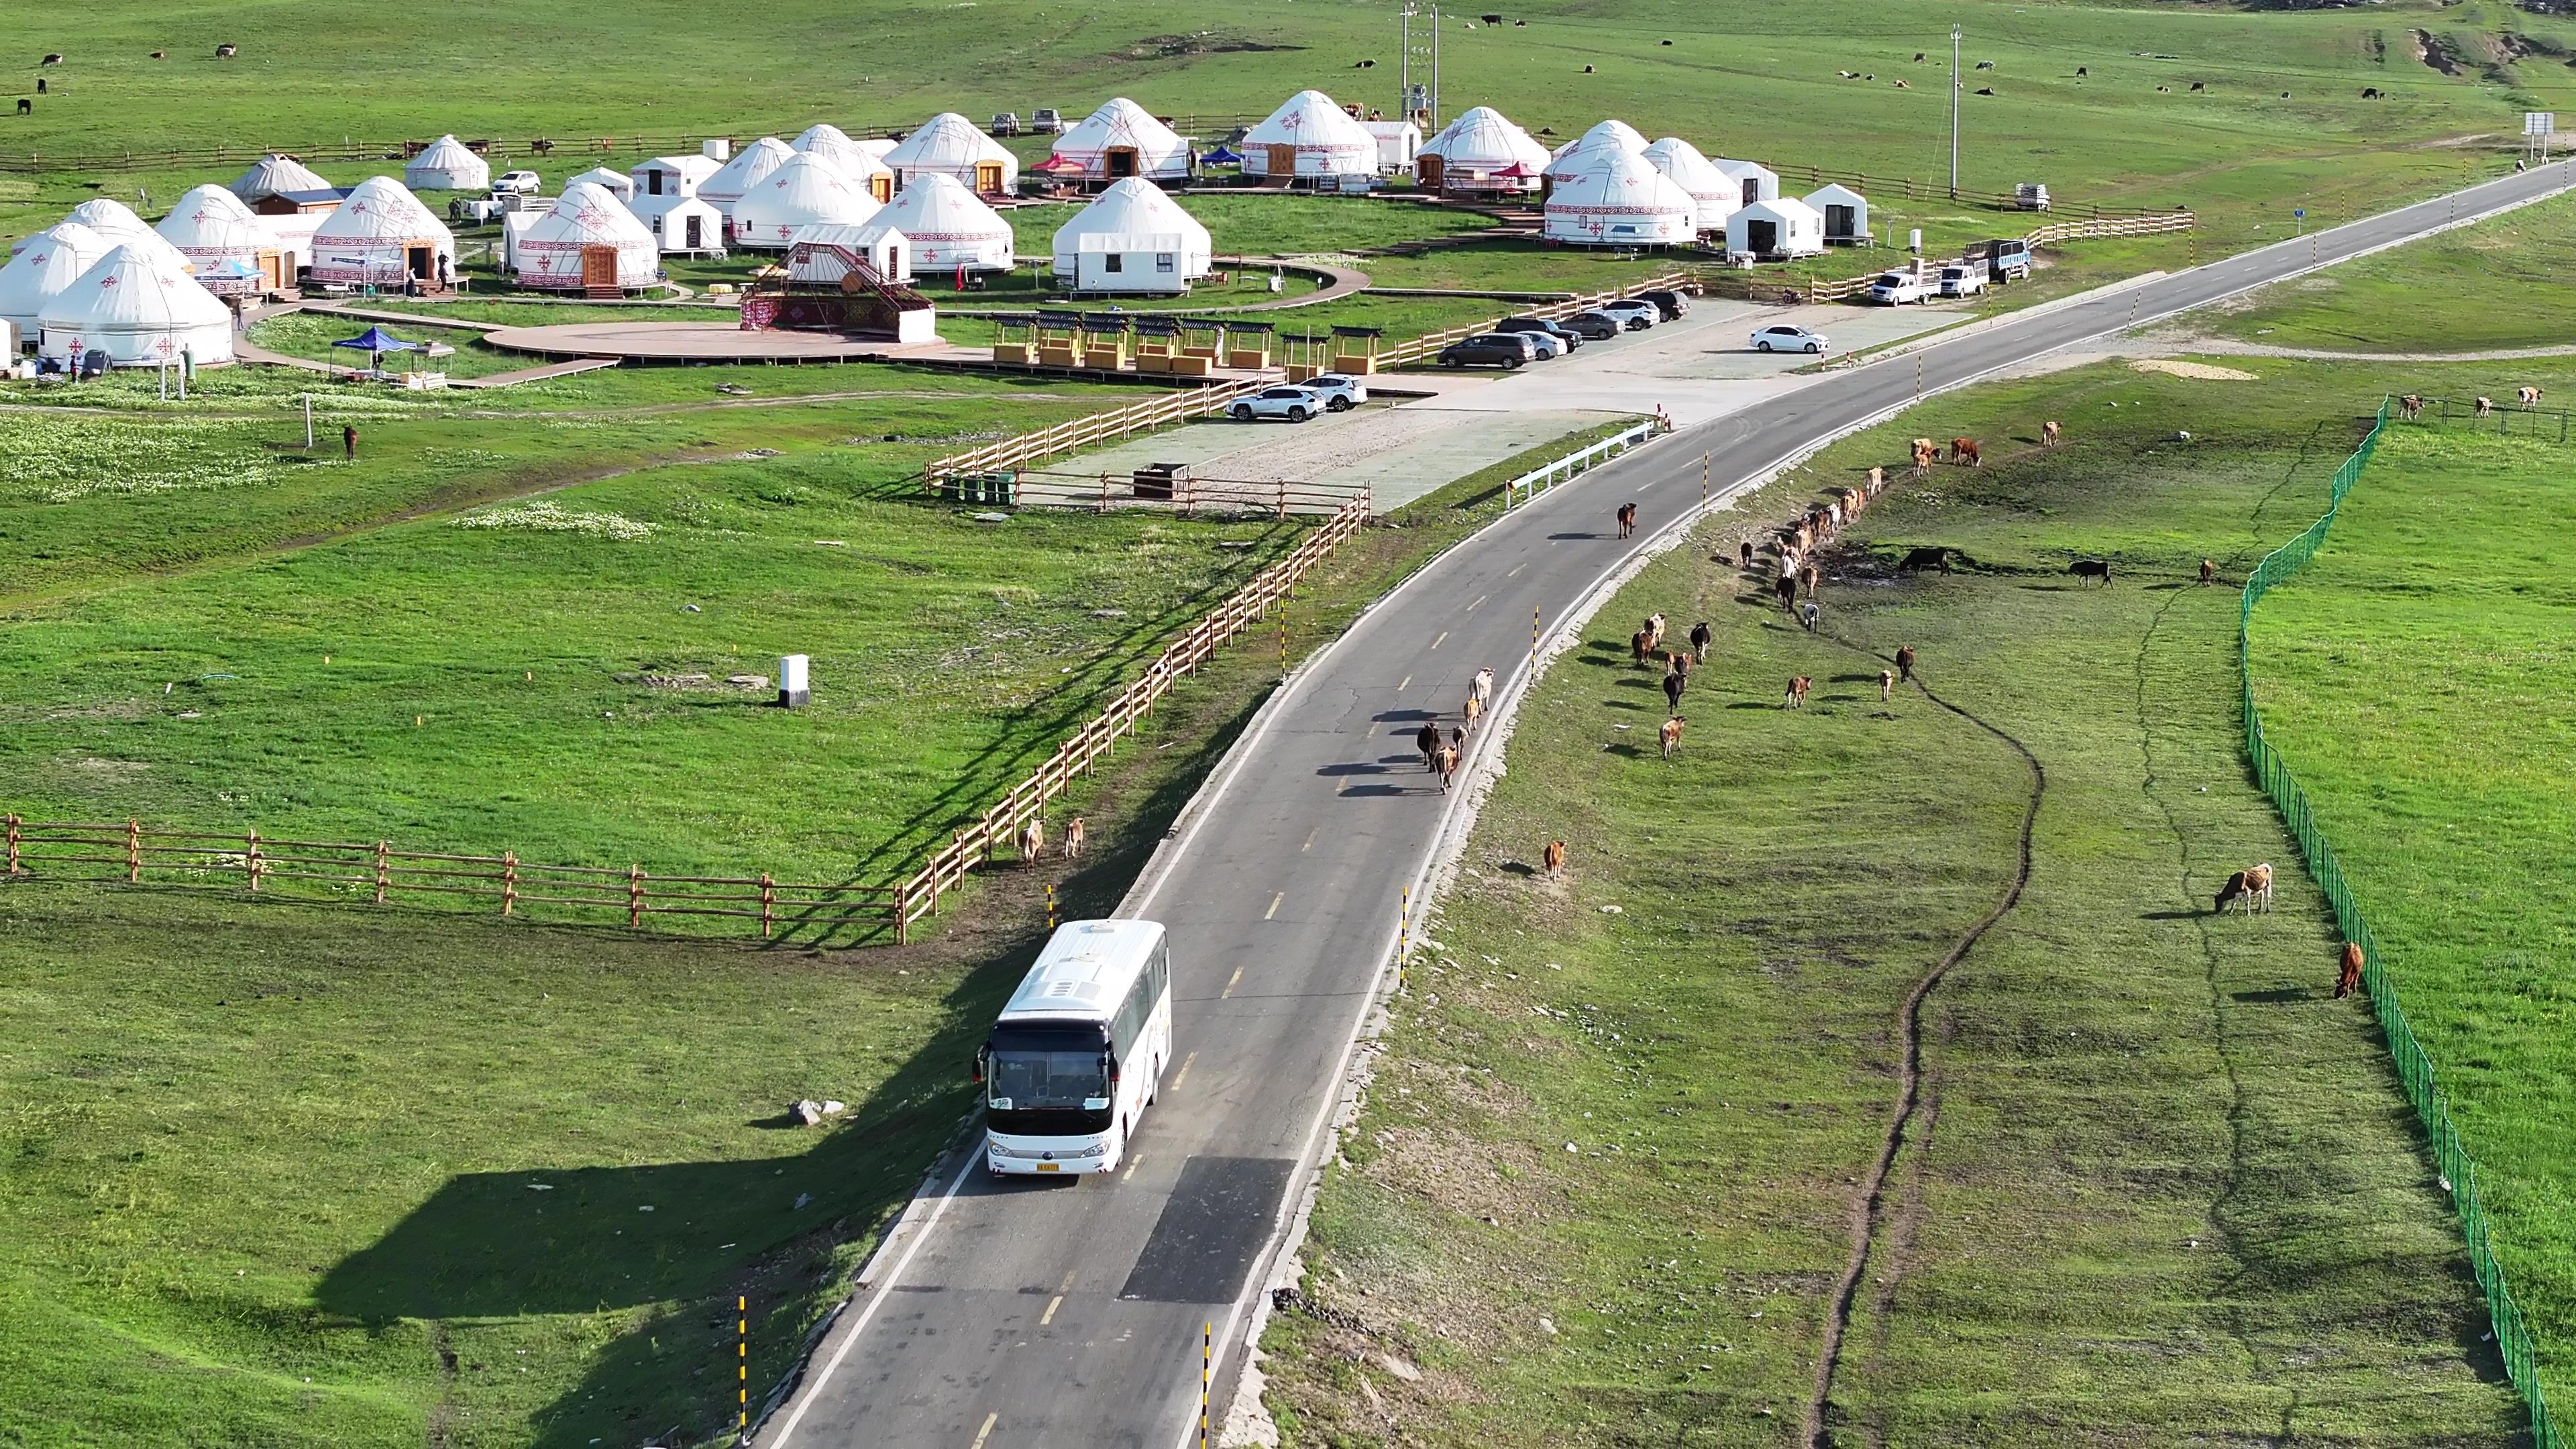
x=1869 y=1204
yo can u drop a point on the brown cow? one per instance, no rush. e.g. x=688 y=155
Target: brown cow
x=1786 y=591
x=1627 y=519
x=1905 y=662
x=1554 y=857
x=1033 y=839
x=2410 y=407
x=2349 y=981
x=1427 y=740
x=1474 y=710
x=1447 y=764
x=1641 y=645
x=2249 y=889
x=1798 y=686
x=1807 y=576
x=1877 y=481
x=1886 y=685
x=1671 y=736
x=1073 y=839
x=2208 y=572
x=1964 y=450
x=2529 y=397
x=1924 y=452
x=1679 y=661
x=2048 y=433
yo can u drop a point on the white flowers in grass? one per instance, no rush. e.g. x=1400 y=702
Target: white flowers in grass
x=543 y=516
x=65 y=458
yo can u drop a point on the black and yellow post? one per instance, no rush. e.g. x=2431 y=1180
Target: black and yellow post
x=1703 y=480
x=742 y=1364
x=1918 y=377
x=1533 y=640
x=1403 y=933
x=1207 y=1353
x=1050 y=905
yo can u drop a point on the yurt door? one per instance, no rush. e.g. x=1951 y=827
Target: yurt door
x=1426 y=169
x=1122 y=162
x=1762 y=238
x=696 y=229
x=881 y=186
x=1282 y=162
x=598 y=267
x=272 y=271
x=1838 y=222
x=1752 y=189
x=416 y=260
x=988 y=177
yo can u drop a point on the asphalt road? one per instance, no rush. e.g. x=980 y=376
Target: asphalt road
x=1071 y=1313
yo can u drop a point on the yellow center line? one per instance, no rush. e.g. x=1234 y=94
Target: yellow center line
x=1183 y=1074
x=1310 y=840
x=1230 y=983
x=1443 y=635
x=1274 y=905
x=1054 y=1303
x=1133 y=1162
x=987 y=1431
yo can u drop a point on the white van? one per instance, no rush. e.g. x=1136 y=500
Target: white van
x=1895 y=289
x=1079 y=1051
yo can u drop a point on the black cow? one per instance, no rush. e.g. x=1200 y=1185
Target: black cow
x=2091 y=568
x=1917 y=560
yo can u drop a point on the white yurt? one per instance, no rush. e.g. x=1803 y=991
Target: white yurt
x=139 y=310
x=1753 y=180
x=1846 y=213
x=447 y=165
x=749 y=167
x=1481 y=151
x=804 y=190
x=949 y=226
x=1621 y=200
x=111 y=219
x=667 y=180
x=274 y=173
x=383 y=235
x=1309 y=138
x=615 y=183
x=1123 y=139
x=589 y=240
x=878 y=146
x=682 y=226
x=211 y=226
x=1132 y=238
x=856 y=161
x=949 y=145
x=820 y=254
x=1712 y=189
x=46 y=264
x=1576 y=156
x=1778 y=229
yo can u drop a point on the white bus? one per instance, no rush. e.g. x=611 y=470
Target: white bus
x=1079 y=1051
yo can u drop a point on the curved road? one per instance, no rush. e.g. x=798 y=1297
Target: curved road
x=1071 y=1313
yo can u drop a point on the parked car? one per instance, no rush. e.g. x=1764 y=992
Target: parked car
x=1045 y=122
x=476 y=210
x=1486 y=349
x=1961 y=280
x=1895 y=289
x=1340 y=391
x=2007 y=261
x=522 y=182
x=1781 y=337
x=1545 y=346
x=1558 y=330
x=1293 y=403
x=1636 y=316
x=1596 y=326
x=1674 y=305
x=1006 y=124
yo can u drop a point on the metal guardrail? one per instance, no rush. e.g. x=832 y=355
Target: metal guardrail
x=1583 y=460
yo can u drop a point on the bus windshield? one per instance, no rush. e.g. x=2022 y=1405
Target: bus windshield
x=1048 y=1070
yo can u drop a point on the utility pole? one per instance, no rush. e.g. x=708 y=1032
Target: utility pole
x=1954 y=113
x=1418 y=78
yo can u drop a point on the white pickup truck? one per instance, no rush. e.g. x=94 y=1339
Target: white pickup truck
x=1895 y=289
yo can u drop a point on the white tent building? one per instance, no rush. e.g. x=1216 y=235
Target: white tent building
x=211 y=226
x=1481 y=151
x=615 y=183
x=46 y=264
x=1846 y=214
x=821 y=254
x=666 y=181
x=949 y=145
x=1398 y=142
x=274 y=173
x=949 y=226
x=1309 y=139
x=1621 y=200
x=117 y=225
x=139 y=310
x=856 y=161
x=682 y=226
x=1575 y=157
x=590 y=240
x=1132 y=238
x=447 y=165
x=749 y=167
x=1776 y=230
x=383 y=236
x=1713 y=190
x=1754 y=181
x=1122 y=139
x=804 y=190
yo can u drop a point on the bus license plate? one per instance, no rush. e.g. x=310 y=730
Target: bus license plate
x=1046 y=1167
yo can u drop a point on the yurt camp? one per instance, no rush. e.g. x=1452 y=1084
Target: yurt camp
x=856 y=161
x=382 y=236
x=46 y=264
x=1711 y=189
x=1781 y=229
x=1846 y=214
x=615 y=183
x=949 y=145
x=1753 y=180
x=589 y=243
x=276 y=174
x=950 y=227
x=1620 y=200
x=749 y=167
x=804 y=190
x=1481 y=151
x=137 y=309
x=1309 y=139
x=1576 y=156
x=1120 y=140
x=211 y=226
x=447 y=164
x=1132 y=238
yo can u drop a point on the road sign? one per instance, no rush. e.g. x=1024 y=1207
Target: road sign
x=2299 y=211
x=2539 y=123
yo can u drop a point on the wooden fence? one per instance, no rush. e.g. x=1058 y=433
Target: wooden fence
x=1083 y=432
x=1188 y=494
x=378 y=873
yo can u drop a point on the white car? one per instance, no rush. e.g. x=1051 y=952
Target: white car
x=1293 y=403
x=1895 y=289
x=1633 y=314
x=1340 y=391
x=1962 y=281
x=523 y=182
x=1781 y=337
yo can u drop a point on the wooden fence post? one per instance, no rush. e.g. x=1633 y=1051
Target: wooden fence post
x=133 y=853
x=382 y=875
x=768 y=903
x=14 y=867
x=509 y=881
x=635 y=899
x=250 y=859
x=902 y=910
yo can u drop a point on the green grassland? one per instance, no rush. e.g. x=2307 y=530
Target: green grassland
x=2162 y=1188
x=2413 y=674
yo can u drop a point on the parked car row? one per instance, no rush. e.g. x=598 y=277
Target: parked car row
x=1330 y=392
x=1518 y=341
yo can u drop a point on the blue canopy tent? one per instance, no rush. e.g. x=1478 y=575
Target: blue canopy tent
x=376 y=342
x=1221 y=156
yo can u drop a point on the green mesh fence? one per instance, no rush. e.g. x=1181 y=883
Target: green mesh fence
x=2459 y=1175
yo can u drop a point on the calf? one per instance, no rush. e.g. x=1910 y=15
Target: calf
x=1924 y=453
x=2486 y=405
x=1670 y=736
x=2410 y=407
x=1554 y=857
x=2249 y=889
x=1744 y=554
x=1919 y=559
x=2208 y=572
x=1655 y=627
x=1807 y=577
x=2048 y=433
x=1640 y=645
x=1033 y=839
x=2349 y=980
x=1447 y=764
x=1877 y=481
x=1964 y=450
x=1886 y=685
x=2091 y=568
x=1699 y=641
x=1797 y=697
x=1474 y=710
x=1786 y=591
x=1073 y=839
x=1627 y=519
x=1905 y=662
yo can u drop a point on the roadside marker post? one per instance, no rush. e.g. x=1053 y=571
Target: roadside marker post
x=1703 y=480
x=1050 y=905
x=742 y=1371
x=1207 y=1351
